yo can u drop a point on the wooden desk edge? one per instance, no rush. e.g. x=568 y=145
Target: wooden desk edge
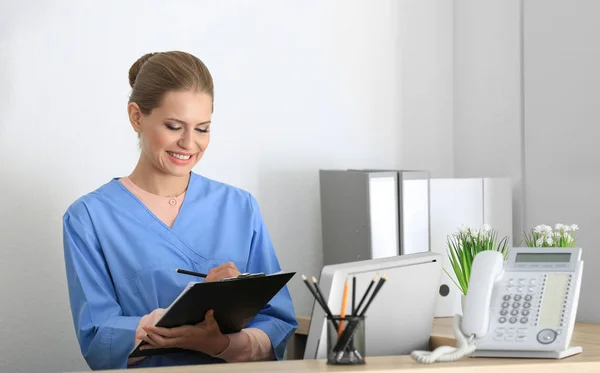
x=303 y=324
x=587 y=334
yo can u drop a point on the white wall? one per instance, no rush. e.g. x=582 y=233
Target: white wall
x=562 y=159
x=526 y=107
x=487 y=94
x=427 y=86
x=299 y=86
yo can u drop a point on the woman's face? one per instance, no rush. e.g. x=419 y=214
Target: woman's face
x=175 y=135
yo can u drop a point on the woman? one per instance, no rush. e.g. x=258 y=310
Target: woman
x=124 y=241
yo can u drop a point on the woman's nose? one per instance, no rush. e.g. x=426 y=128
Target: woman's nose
x=187 y=140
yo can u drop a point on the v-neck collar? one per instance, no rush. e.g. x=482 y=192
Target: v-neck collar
x=190 y=189
x=124 y=199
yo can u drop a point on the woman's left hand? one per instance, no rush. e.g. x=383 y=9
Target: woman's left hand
x=205 y=337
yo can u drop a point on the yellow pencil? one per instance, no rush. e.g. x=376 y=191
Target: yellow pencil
x=343 y=312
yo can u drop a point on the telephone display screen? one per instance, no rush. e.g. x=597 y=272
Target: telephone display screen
x=543 y=258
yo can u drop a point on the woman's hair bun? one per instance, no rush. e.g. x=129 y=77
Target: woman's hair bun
x=137 y=66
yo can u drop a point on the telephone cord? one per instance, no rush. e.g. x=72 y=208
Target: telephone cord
x=463 y=347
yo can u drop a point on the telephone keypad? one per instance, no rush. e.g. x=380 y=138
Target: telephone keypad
x=518 y=307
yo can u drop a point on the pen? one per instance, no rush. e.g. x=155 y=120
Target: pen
x=185 y=272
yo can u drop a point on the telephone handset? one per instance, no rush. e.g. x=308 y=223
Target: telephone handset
x=485 y=273
x=522 y=307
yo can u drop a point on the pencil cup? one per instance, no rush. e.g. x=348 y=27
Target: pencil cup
x=346 y=340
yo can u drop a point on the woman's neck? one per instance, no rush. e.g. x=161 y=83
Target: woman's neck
x=148 y=178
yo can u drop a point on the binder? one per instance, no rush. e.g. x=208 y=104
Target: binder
x=373 y=213
x=235 y=302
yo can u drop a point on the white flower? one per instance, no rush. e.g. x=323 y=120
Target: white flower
x=560 y=227
x=549 y=240
x=539 y=242
x=486 y=228
x=574 y=227
x=463 y=229
x=542 y=228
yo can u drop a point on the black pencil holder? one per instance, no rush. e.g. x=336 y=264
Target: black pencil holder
x=346 y=340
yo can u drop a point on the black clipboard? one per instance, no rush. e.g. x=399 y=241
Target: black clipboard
x=235 y=302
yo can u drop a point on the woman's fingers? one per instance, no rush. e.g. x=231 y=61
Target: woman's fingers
x=164 y=332
x=210 y=322
x=226 y=270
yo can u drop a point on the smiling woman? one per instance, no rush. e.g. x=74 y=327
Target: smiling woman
x=170 y=108
x=124 y=241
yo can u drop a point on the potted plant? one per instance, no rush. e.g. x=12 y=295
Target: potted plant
x=544 y=236
x=464 y=244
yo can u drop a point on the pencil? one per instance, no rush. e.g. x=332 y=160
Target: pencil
x=364 y=295
x=312 y=290
x=324 y=303
x=345 y=339
x=318 y=299
x=377 y=288
x=353 y=294
x=186 y=272
x=343 y=311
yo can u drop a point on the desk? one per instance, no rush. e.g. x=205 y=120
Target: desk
x=586 y=335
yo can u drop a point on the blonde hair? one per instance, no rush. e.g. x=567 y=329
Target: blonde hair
x=154 y=74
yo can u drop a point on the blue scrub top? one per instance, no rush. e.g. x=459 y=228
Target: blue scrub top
x=121 y=259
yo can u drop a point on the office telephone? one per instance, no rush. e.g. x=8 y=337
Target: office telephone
x=522 y=307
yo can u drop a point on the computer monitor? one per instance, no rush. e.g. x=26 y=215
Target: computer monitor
x=400 y=318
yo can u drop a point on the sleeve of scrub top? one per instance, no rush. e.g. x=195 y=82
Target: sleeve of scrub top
x=277 y=319
x=105 y=336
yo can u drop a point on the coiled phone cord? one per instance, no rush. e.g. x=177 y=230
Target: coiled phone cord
x=463 y=347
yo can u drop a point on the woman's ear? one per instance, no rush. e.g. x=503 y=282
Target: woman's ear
x=135 y=116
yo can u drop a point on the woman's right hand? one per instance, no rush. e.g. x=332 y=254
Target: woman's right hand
x=227 y=270
x=147 y=320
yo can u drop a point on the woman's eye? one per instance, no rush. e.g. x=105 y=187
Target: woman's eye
x=172 y=127
x=203 y=130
